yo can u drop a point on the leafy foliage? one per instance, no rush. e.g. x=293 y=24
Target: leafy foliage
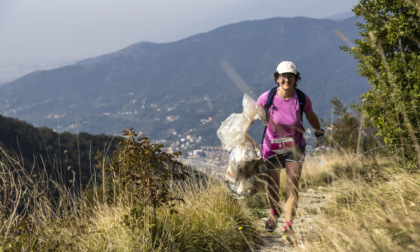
x=389 y=56
x=143 y=172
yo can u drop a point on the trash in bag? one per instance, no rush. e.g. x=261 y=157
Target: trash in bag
x=245 y=173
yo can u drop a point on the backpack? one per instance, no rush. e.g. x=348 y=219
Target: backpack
x=302 y=101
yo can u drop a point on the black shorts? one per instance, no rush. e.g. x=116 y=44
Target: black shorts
x=278 y=161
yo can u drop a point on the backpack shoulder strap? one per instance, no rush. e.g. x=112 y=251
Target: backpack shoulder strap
x=267 y=106
x=269 y=101
x=302 y=101
x=270 y=97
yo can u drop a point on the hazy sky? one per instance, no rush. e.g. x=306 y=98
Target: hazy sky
x=42 y=31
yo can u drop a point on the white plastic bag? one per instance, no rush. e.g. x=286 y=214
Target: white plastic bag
x=244 y=176
x=233 y=130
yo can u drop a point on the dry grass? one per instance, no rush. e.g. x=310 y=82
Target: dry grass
x=375 y=207
x=30 y=220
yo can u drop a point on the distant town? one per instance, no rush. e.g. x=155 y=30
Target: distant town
x=210 y=160
x=213 y=160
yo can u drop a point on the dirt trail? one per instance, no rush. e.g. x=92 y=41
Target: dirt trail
x=310 y=205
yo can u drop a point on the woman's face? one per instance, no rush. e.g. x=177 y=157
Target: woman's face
x=286 y=81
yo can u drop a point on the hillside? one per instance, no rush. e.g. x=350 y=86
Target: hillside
x=41 y=148
x=188 y=87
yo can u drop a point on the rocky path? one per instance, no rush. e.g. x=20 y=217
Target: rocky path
x=310 y=205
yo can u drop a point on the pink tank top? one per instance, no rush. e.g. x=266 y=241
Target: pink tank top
x=284 y=127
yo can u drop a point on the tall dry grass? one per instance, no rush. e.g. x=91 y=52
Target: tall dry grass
x=374 y=206
x=40 y=214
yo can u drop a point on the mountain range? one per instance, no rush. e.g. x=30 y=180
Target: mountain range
x=179 y=92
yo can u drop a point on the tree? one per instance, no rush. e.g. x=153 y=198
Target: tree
x=345 y=127
x=349 y=131
x=388 y=55
x=143 y=172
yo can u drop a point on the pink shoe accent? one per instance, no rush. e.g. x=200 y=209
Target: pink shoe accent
x=286 y=225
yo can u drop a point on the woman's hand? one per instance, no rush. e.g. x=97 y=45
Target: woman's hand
x=319 y=137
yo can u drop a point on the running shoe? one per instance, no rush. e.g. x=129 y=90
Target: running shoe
x=288 y=233
x=271 y=223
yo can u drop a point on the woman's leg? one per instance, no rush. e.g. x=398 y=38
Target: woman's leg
x=273 y=166
x=273 y=186
x=293 y=171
